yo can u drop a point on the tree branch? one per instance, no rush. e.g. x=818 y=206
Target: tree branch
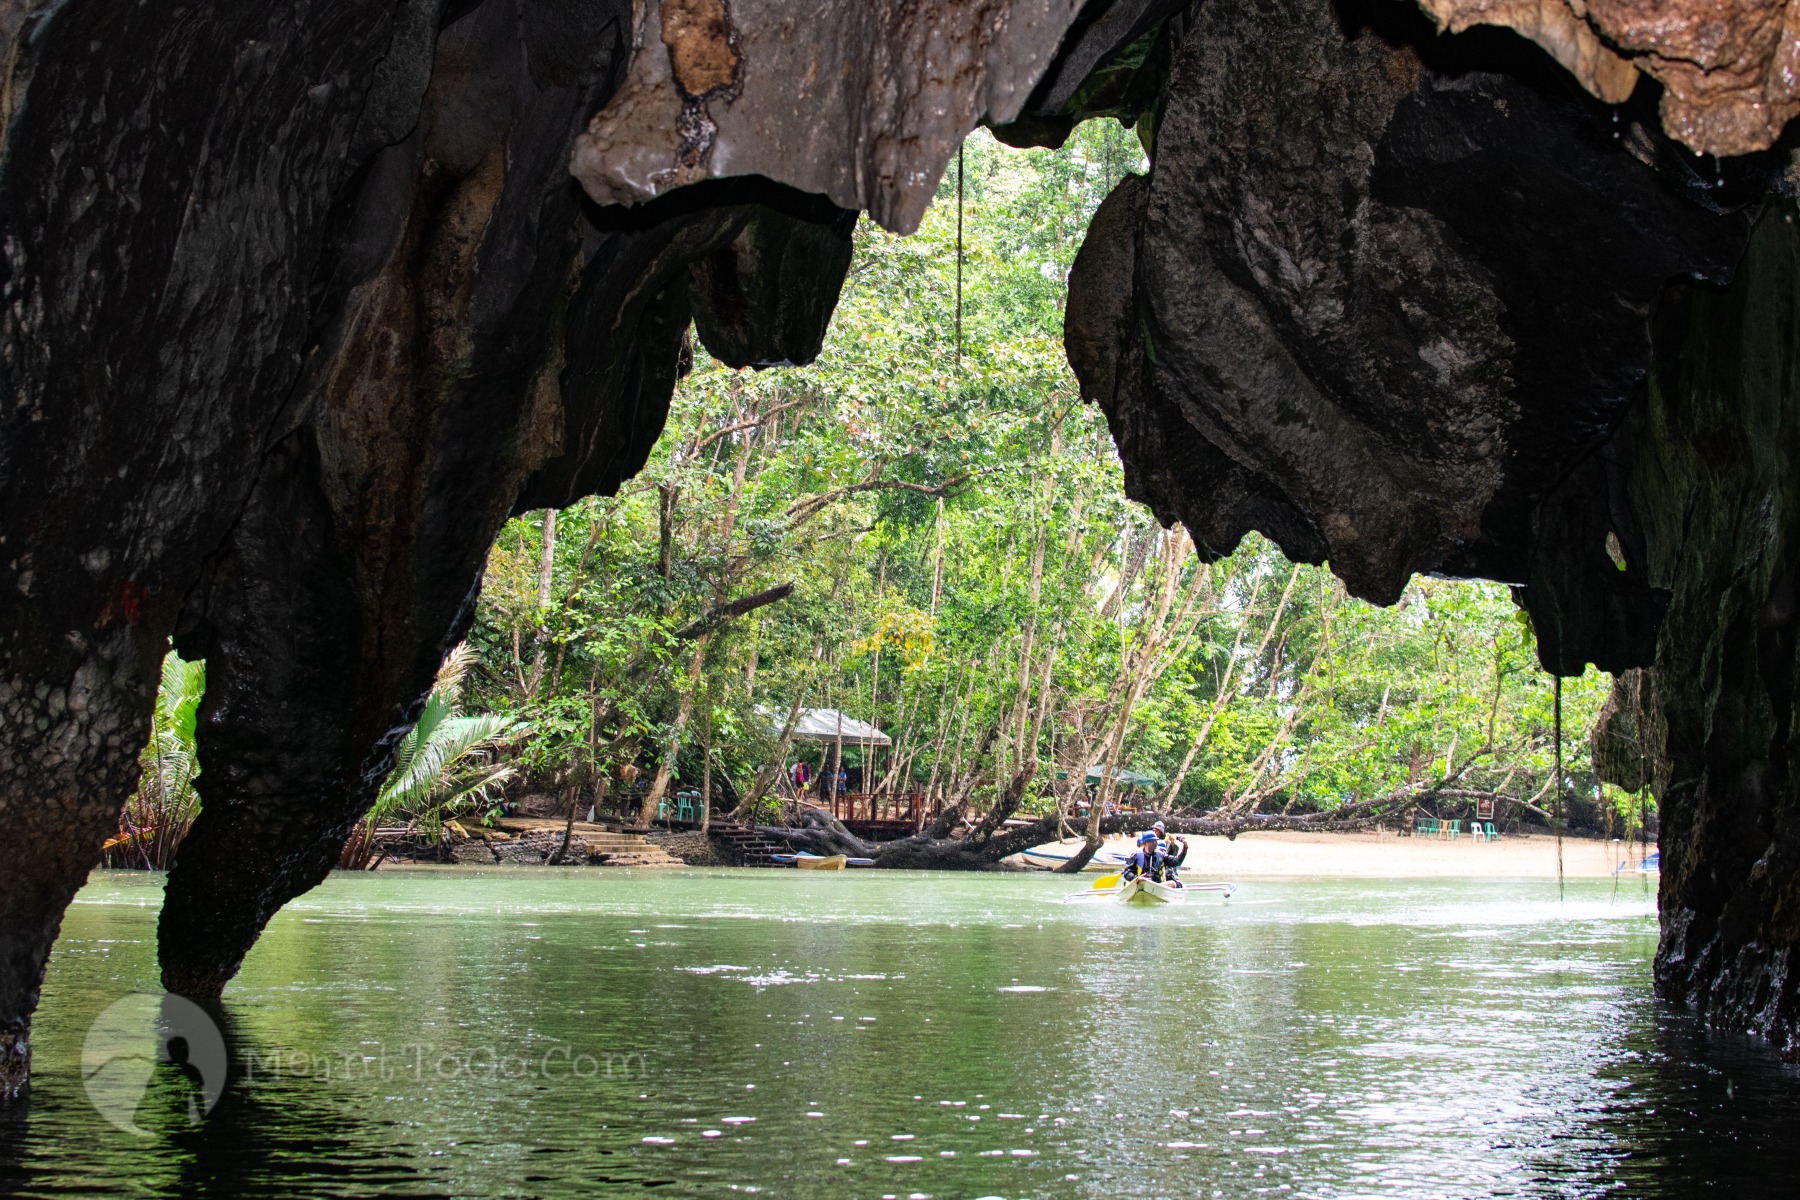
x=804 y=510
x=715 y=617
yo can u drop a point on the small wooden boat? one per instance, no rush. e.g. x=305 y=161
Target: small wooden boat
x=1143 y=890
x=814 y=862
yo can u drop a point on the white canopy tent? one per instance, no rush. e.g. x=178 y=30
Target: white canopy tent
x=828 y=725
x=868 y=810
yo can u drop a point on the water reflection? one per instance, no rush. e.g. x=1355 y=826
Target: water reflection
x=1686 y=1112
x=269 y=1137
x=562 y=1034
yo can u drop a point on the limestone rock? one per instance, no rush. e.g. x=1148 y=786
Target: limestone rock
x=1630 y=741
x=298 y=302
x=862 y=101
x=1335 y=311
x=1714 y=472
x=1730 y=69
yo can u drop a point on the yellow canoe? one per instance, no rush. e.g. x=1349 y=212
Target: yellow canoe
x=834 y=862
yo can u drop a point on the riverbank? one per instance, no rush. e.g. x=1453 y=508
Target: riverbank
x=1255 y=855
x=1386 y=855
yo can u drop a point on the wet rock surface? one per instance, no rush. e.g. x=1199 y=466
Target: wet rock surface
x=1398 y=298
x=1714 y=461
x=170 y=187
x=427 y=400
x=299 y=305
x=1412 y=307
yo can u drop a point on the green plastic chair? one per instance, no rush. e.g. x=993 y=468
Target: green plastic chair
x=1493 y=835
x=1431 y=827
x=1418 y=826
x=1454 y=829
x=685 y=806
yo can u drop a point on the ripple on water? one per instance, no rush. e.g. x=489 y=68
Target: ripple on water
x=1330 y=1036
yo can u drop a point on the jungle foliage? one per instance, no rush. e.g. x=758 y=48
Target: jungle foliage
x=927 y=528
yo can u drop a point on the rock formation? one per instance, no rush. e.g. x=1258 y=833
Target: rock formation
x=1729 y=71
x=300 y=301
x=1712 y=473
x=1412 y=307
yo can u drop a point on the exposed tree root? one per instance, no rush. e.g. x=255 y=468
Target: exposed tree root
x=821 y=833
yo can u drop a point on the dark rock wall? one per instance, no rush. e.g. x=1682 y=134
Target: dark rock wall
x=1714 y=463
x=1411 y=306
x=1379 y=302
x=300 y=304
x=427 y=399
x=170 y=181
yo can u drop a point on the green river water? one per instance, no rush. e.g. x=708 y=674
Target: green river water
x=541 y=1033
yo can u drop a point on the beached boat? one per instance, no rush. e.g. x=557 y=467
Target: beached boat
x=793 y=860
x=1112 y=855
x=814 y=862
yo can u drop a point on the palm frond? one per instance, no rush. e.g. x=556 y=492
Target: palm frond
x=456 y=665
x=432 y=767
x=444 y=763
x=438 y=708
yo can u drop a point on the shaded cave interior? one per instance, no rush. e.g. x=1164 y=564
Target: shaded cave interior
x=1401 y=303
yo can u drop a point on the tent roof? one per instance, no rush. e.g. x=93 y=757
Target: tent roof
x=1129 y=778
x=828 y=724
x=1132 y=778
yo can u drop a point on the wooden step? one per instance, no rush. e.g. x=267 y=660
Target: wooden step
x=747 y=846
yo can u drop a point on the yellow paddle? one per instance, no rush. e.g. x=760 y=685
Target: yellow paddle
x=1109 y=881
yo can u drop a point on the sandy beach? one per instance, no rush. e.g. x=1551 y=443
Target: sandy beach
x=1387 y=856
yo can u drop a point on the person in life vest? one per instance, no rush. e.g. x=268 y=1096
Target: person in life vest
x=1174 y=850
x=1147 y=860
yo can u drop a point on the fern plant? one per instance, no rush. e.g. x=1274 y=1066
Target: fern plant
x=159 y=812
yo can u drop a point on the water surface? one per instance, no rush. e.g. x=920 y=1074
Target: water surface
x=539 y=1033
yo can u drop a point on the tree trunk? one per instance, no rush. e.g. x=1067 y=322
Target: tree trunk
x=777 y=763
x=706 y=774
x=837 y=760
x=666 y=768
x=541 y=639
x=665 y=530
x=568 y=829
x=937 y=564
